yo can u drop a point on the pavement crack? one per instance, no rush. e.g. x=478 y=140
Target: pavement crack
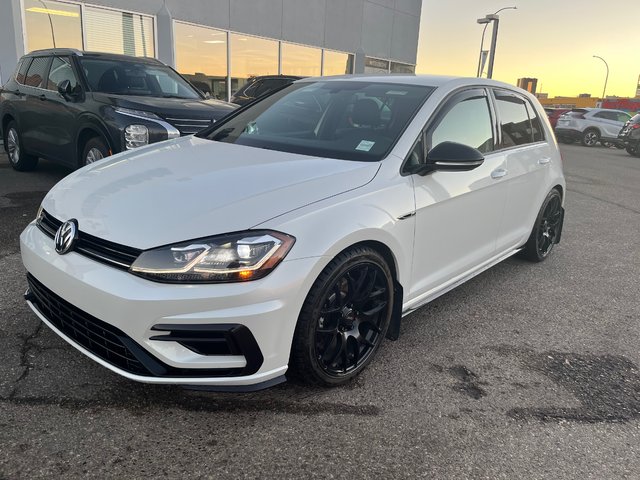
x=624 y=207
x=27 y=346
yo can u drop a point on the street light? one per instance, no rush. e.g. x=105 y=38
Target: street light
x=494 y=38
x=606 y=79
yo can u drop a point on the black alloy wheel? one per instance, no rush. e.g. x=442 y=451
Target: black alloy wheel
x=546 y=230
x=344 y=319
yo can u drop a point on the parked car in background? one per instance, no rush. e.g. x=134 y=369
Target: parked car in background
x=630 y=136
x=554 y=114
x=293 y=235
x=259 y=86
x=590 y=125
x=77 y=107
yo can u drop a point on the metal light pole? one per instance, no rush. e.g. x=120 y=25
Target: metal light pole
x=606 y=79
x=494 y=38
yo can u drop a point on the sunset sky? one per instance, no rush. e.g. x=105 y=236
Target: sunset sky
x=552 y=40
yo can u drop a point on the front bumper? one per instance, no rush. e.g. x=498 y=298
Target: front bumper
x=135 y=312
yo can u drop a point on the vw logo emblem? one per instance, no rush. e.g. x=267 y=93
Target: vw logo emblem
x=66 y=236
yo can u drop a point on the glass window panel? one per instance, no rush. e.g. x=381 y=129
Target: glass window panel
x=119 y=32
x=515 y=124
x=402 y=68
x=375 y=65
x=36 y=73
x=337 y=63
x=467 y=122
x=201 y=56
x=60 y=71
x=52 y=24
x=301 y=61
x=536 y=125
x=22 y=70
x=251 y=57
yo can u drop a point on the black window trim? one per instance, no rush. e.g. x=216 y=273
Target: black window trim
x=445 y=106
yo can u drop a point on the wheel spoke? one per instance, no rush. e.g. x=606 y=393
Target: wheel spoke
x=374 y=310
x=372 y=326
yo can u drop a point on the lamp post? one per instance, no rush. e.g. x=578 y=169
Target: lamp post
x=606 y=79
x=494 y=39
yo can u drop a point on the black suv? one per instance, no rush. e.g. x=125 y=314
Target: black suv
x=630 y=135
x=78 y=107
x=259 y=86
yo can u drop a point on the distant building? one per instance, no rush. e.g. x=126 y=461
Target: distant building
x=638 y=88
x=543 y=96
x=528 y=84
x=584 y=95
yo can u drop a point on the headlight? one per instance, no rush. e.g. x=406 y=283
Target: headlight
x=136 y=136
x=235 y=257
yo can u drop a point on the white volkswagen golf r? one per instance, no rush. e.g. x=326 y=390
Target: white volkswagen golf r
x=293 y=236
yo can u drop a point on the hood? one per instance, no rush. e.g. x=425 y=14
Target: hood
x=190 y=188
x=167 y=107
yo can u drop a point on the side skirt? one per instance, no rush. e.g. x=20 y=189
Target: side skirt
x=434 y=293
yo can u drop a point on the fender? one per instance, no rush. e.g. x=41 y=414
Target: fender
x=90 y=121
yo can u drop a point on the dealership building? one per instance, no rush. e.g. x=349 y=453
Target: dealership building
x=219 y=44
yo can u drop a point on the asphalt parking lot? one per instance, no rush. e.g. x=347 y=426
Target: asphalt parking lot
x=527 y=371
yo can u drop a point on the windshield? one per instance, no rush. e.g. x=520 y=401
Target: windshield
x=352 y=120
x=135 y=78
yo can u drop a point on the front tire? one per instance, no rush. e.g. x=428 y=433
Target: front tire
x=343 y=319
x=634 y=149
x=546 y=230
x=18 y=158
x=95 y=149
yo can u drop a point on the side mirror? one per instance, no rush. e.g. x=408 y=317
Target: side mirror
x=451 y=156
x=64 y=89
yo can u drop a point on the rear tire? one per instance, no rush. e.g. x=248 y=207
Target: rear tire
x=546 y=230
x=95 y=149
x=344 y=319
x=18 y=158
x=590 y=137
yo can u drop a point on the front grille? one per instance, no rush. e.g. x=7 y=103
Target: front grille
x=103 y=251
x=189 y=126
x=118 y=349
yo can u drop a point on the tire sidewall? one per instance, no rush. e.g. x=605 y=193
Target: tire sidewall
x=94 y=142
x=584 y=138
x=25 y=161
x=314 y=303
x=552 y=194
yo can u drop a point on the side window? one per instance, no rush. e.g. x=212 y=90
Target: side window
x=36 y=72
x=604 y=115
x=467 y=122
x=21 y=73
x=514 y=120
x=250 y=92
x=536 y=124
x=268 y=85
x=623 y=117
x=61 y=70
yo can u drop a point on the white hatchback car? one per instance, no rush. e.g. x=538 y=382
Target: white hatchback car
x=295 y=234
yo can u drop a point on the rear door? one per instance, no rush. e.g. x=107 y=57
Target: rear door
x=34 y=116
x=528 y=156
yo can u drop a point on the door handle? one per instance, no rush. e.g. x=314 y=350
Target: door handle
x=42 y=97
x=544 y=160
x=17 y=92
x=498 y=173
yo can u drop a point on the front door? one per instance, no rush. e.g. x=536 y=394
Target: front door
x=457 y=213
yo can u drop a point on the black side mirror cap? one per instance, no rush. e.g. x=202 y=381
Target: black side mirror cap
x=452 y=156
x=64 y=88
